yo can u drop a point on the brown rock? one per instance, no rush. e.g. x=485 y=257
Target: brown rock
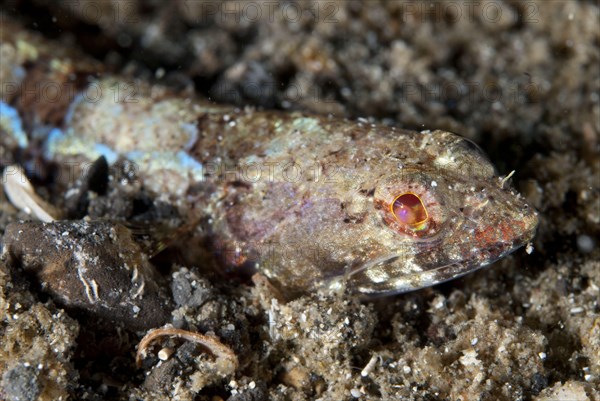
x=94 y=267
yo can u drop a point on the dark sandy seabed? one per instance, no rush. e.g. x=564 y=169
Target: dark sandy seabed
x=525 y=328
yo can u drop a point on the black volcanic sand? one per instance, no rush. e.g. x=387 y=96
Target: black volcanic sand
x=521 y=79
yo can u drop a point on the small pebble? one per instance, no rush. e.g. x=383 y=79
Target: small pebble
x=585 y=243
x=576 y=310
x=165 y=353
x=529 y=248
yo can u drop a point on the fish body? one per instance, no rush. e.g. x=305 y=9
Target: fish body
x=309 y=201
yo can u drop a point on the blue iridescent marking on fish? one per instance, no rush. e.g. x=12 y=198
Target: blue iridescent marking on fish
x=180 y=162
x=76 y=101
x=11 y=115
x=110 y=155
x=55 y=136
x=188 y=162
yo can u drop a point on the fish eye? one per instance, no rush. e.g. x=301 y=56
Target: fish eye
x=409 y=210
x=411 y=204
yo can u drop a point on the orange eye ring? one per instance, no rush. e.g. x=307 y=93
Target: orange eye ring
x=409 y=210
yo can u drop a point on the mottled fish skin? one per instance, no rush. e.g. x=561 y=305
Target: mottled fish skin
x=305 y=199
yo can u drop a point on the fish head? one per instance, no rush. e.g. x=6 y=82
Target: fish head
x=440 y=219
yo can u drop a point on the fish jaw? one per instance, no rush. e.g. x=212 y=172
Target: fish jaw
x=408 y=270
